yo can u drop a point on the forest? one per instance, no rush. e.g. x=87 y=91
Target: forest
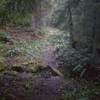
x=49 y=50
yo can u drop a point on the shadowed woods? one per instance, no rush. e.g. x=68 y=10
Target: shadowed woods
x=49 y=50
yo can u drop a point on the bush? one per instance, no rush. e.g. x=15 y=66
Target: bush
x=72 y=60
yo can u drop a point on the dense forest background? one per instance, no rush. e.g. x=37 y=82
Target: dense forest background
x=49 y=48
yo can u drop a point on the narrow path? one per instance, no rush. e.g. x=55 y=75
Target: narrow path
x=47 y=52
x=48 y=55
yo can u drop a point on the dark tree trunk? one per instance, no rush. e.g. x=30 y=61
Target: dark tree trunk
x=71 y=27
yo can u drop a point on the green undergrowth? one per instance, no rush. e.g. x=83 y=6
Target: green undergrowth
x=32 y=47
x=88 y=91
x=2 y=66
x=3 y=37
x=29 y=53
x=59 y=38
x=3 y=49
x=4 y=34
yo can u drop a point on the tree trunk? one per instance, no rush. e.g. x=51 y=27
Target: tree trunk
x=71 y=27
